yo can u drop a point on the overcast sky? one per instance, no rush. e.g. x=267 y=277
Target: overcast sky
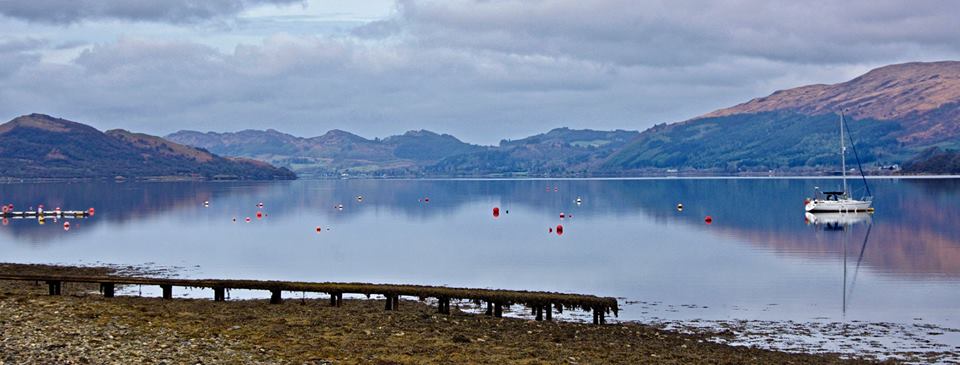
x=480 y=70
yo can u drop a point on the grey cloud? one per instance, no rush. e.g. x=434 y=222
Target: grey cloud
x=16 y=53
x=484 y=70
x=662 y=32
x=172 y=11
x=20 y=44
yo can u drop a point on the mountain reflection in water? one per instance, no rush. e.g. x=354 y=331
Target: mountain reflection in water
x=626 y=239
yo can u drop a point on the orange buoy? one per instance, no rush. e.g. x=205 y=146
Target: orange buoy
x=319 y=229
x=708 y=219
x=496 y=212
x=559 y=229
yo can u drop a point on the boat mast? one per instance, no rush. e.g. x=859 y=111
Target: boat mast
x=843 y=156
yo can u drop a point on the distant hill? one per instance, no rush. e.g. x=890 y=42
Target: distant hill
x=417 y=153
x=934 y=161
x=561 y=151
x=894 y=112
x=335 y=152
x=40 y=146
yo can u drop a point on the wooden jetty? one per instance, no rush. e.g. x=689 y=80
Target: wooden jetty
x=540 y=303
x=46 y=214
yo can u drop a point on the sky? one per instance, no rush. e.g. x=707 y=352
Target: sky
x=482 y=70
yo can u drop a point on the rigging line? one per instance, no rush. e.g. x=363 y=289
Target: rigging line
x=857 y=155
x=863 y=248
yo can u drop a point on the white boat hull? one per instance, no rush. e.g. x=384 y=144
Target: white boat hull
x=845 y=219
x=842 y=205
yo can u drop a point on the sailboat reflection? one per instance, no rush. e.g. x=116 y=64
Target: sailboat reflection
x=837 y=221
x=842 y=222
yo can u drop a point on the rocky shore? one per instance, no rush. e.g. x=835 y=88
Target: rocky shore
x=81 y=327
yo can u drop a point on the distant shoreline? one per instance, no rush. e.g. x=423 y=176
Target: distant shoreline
x=476 y=178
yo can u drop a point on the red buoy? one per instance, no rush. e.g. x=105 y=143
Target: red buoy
x=496 y=212
x=259 y=215
x=550 y=229
x=708 y=219
x=248 y=219
x=319 y=229
x=90 y=210
x=559 y=229
x=427 y=199
x=562 y=215
x=66 y=226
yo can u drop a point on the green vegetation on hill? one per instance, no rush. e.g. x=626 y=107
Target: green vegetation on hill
x=40 y=146
x=934 y=161
x=756 y=142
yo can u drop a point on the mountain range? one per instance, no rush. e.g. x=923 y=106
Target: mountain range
x=414 y=153
x=896 y=114
x=38 y=146
x=905 y=114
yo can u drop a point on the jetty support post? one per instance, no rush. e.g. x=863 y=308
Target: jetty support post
x=443 y=305
x=389 y=305
x=54 y=287
x=107 y=289
x=497 y=309
x=167 y=291
x=489 y=309
x=598 y=316
x=219 y=294
x=396 y=301
x=538 y=309
x=549 y=310
x=275 y=297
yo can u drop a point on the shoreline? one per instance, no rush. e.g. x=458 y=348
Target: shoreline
x=473 y=178
x=82 y=325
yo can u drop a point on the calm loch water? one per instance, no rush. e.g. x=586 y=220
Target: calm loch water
x=761 y=258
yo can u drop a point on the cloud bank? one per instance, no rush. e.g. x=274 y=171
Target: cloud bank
x=482 y=70
x=172 y=11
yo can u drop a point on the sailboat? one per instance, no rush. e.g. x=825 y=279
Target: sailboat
x=840 y=201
